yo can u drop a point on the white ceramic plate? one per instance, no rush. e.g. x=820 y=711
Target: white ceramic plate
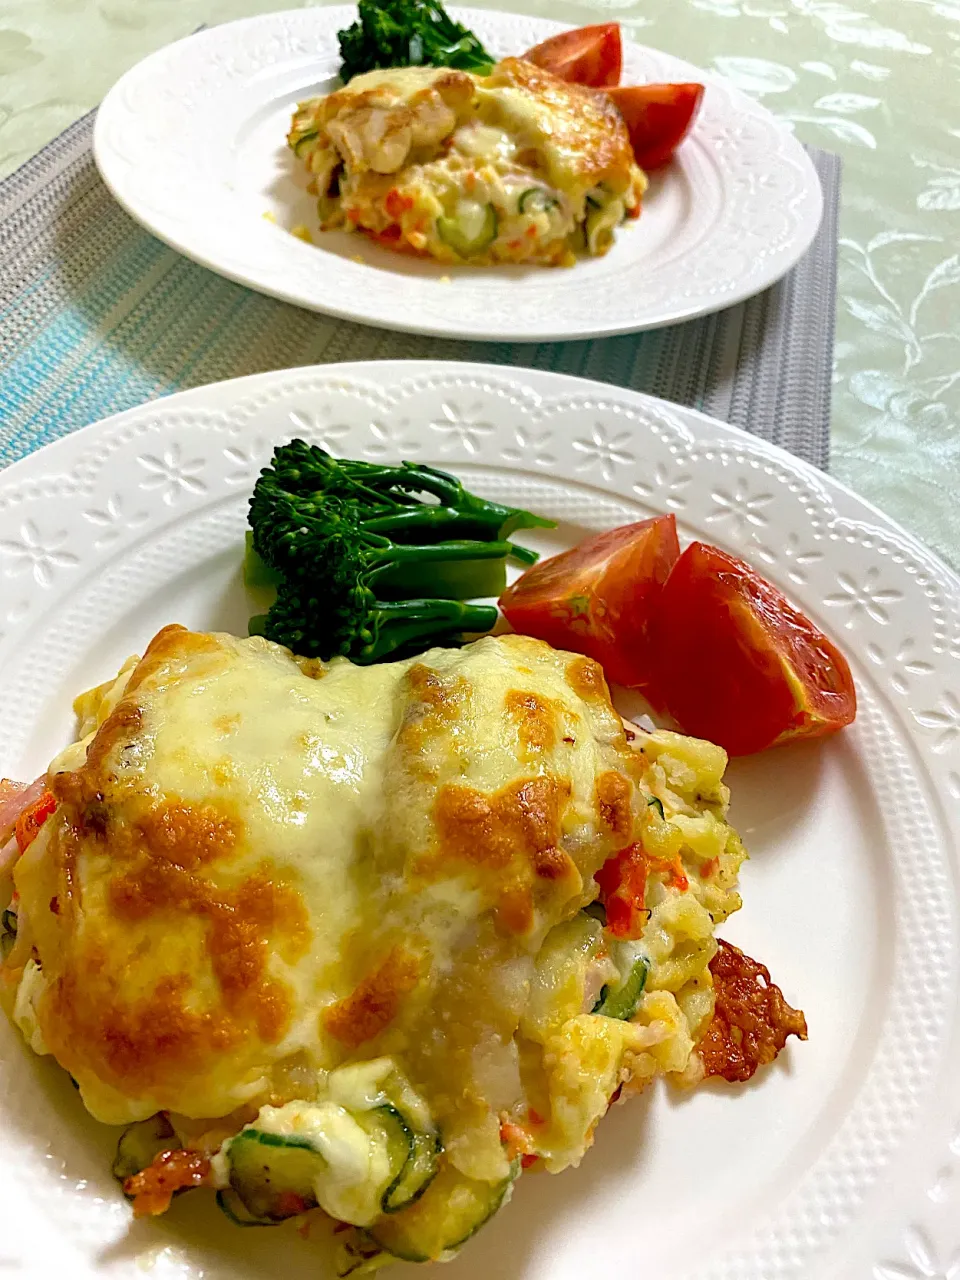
x=191 y=142
x=844 y=1159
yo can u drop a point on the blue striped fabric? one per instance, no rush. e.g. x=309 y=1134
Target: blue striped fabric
x=97 y=316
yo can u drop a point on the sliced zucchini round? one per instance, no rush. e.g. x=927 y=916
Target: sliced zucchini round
x=273 y=1176
x=536 y=200
x=277 y=1175
x=447 y=1213
x=230 y=1203
x=141 y=1143
x=469 y=236
x=622 y=1001
x=309 y=136
x=417 y=1173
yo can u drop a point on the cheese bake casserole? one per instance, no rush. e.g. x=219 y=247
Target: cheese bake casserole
x=517 y=166
x=332 y=937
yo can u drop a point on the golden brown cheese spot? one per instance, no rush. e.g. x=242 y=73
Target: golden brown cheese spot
x=380 y=116
x=535 y=719
x=553 y=864
x=585 y=125
x=511 y=838
x=132 y=1045
x=514 y=910
x=373 y=1005
x=585 y=677
x=239 y=927
x=614 y=795
x=188 y=835
x=523 y=819
x=84 y=789
x=436 y=704
x=174 y=646
x=312 y=668
x=173 y=649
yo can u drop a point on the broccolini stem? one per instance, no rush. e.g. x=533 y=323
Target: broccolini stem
x=407 y=621
x=449 y=570
x=437 y=522
x=523 y=555
x=428 y=519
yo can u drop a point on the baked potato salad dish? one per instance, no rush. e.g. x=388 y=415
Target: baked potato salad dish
x=360 y=944
x=516 y=166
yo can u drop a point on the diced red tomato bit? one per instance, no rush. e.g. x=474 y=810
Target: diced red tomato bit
x=32 y=819
x=527 y=1160
x=153 y=1188
x=622 y=881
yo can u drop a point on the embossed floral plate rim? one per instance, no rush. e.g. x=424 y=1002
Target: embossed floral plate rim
x=177 y=139
x=146 y=498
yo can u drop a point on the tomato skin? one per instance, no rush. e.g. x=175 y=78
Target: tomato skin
x=591 y=56
x=658 y=118
x=737 y=664
x=597 y=598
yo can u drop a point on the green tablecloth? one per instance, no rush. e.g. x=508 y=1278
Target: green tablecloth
x=876 y=80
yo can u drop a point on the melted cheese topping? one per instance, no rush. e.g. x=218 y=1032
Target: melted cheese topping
x=515 y=166
x=257 y=863
x=265 y=869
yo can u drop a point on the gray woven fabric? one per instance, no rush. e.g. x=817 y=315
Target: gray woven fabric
x=98 y=316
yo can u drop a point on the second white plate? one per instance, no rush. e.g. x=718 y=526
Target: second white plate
x=191 y=142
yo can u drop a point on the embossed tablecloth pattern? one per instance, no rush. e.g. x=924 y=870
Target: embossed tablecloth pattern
x=876 y=80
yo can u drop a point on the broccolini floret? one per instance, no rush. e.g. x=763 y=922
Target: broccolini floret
x=363 y=566
x=408 y=33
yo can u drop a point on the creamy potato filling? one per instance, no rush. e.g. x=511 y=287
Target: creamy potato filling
x=514 y=167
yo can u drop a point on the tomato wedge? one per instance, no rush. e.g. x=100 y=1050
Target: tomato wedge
x=591 y=56
x=738 y=664
x=597 y=598
x=658 y=118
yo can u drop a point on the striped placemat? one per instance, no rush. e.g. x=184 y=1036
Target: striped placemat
x=96 y=316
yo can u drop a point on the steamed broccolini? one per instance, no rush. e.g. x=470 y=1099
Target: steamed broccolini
x=408 y=33
x=362 y=566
